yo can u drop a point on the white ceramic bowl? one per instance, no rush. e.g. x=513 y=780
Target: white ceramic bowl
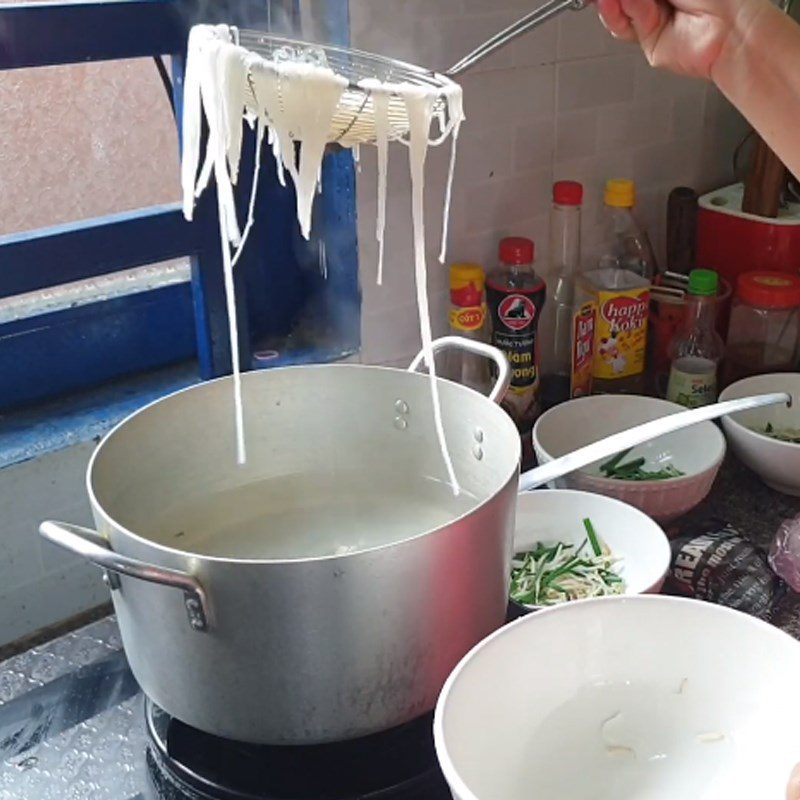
x=697 y=451
x=777 y=463
x=552 y=706
x=551 y=516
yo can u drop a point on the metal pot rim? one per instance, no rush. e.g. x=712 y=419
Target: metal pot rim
x=200 y=558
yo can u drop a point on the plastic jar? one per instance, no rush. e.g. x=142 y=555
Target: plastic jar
x=764 y=331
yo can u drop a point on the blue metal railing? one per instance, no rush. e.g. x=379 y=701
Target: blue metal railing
x=75 y=348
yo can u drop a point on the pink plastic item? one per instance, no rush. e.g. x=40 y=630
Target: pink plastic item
x=784 y=555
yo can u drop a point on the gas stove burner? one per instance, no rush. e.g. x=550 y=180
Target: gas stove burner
x=187 y=764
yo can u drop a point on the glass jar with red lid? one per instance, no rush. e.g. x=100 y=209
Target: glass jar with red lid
x=764 y=329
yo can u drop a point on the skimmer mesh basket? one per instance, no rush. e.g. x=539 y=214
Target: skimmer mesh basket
x=354 y=120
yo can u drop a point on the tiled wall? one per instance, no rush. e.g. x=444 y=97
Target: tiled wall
x=564 y=101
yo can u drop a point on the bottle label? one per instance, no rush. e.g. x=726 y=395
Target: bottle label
x=692 y=389
x=468 y=319
x=621 y=333
x=467 y=304
x=515 y=318
x=583 y=333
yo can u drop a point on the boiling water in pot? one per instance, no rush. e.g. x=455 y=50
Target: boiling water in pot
x=309 y=516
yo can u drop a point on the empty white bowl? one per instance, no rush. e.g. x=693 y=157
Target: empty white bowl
x=697 y=451
x=777 y=463
x=624 y=698
x=551 y=516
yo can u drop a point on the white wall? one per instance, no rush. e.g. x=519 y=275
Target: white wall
x=564 y=102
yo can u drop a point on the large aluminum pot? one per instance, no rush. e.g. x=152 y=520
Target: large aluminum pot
x=301 y=650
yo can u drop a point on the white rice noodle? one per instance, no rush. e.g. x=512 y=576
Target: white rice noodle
x=295 y=104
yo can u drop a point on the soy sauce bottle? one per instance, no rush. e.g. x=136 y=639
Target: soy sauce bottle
x=516 y=297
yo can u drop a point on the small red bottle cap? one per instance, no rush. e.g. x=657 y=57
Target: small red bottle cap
x=567 y=193
x=516 y=250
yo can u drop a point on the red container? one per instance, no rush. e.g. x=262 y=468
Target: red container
x=732 y=242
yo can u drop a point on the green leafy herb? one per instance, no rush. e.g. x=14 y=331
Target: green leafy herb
x=592 y=536
x=791 y=435
x=634 y=470
x=551 y=574
x=609 y=466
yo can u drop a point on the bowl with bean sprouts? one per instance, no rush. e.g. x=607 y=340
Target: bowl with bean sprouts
x=571 y=545
x=666 y=477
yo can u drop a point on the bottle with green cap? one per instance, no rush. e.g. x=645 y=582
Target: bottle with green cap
x=697 y=350
x=628 y=244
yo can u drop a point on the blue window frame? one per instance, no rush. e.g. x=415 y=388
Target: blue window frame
x=280 y=288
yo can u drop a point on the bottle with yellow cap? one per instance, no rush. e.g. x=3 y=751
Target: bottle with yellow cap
x=612 y=302
x=628 y=243
x=468 y=318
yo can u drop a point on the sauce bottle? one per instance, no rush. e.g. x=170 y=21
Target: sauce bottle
x=697 y=350
x=620 y=292
x=468 y=319
x=570 y=365
x=630 y=246
x=620 y=300
x=516 y=297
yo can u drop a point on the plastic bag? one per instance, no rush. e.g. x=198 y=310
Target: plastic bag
x=716 y=563
x=784 y=555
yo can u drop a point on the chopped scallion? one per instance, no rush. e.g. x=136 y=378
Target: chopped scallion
x=634 y=470
x=550 y=574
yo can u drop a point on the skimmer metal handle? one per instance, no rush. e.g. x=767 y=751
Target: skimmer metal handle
x=542 y=14
x=93 y=547
x=611 y=445
x=479 y=348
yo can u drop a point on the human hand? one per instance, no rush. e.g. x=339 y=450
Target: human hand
x=685 y=36
x=793 y=790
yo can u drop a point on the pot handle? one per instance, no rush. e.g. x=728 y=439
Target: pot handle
x=478 y=348
x=90 y=545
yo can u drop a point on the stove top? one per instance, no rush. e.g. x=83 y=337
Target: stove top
x=75 y=726
x=396 y=765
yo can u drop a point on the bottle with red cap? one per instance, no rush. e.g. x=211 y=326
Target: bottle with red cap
x=468 y=319
x=516 y=296
x=569 y=355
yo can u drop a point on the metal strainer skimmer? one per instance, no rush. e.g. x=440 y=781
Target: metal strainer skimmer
x=354 y=121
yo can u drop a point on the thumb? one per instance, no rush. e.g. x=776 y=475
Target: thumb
x=648 y=19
